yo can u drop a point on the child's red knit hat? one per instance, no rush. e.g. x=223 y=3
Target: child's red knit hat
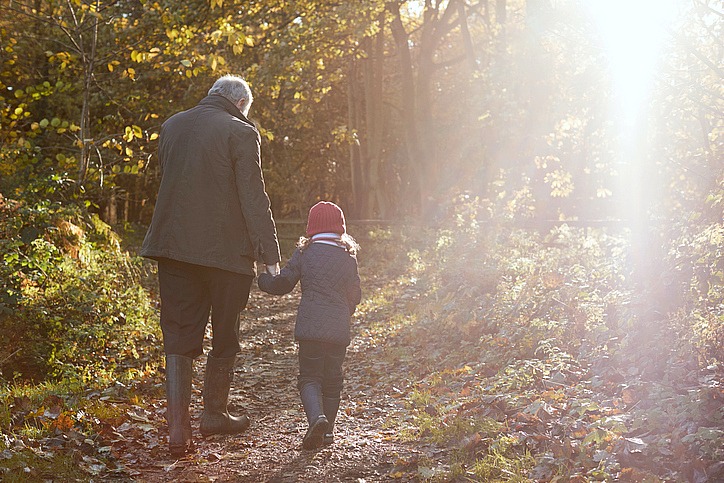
x=325 y=217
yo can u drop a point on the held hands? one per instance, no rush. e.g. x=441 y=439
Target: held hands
x=273 y=270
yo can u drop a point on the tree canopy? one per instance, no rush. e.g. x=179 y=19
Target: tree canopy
x=389 y=107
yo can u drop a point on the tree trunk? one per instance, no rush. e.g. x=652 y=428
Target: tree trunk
x=408 y=107
x=355 y=156
x=467 y=39
x=500 y=11
x=112 y=209
x=436 y=25
x=375 y=122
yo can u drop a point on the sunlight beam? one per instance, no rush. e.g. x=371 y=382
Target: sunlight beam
x=632 y=35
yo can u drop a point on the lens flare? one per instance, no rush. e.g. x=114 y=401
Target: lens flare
x=632 y=34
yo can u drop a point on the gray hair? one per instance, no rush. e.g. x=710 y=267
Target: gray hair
x=234 y=88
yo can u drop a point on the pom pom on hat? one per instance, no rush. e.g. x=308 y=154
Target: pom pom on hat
x=325 y=217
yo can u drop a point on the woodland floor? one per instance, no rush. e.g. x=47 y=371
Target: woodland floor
x=366 y=445
x=409 y=385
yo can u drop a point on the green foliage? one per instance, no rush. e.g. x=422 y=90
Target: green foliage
x=503 y=462
x=697 y=277
x=513 y=288
x=69 y=296
x=79 y=340
x=83 y=100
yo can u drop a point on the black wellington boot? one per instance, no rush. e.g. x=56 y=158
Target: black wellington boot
x=215 y=418
x=179 y=371
x=311 y=395
x=331 y=406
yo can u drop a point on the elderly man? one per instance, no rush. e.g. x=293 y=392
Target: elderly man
x=211 y=222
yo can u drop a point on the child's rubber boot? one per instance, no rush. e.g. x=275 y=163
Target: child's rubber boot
x=331 y=406
x=311 y=395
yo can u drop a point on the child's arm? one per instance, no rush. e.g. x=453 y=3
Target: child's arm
x=284 y=282
x=275 y=285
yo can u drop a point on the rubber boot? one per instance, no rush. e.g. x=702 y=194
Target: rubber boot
x=311 y=395
x=215 y=418
x=179 y=371
x=331 y=406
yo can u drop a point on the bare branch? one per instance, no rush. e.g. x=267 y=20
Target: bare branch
x=697 y=54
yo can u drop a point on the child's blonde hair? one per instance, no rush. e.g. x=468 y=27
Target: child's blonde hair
x=350 y=244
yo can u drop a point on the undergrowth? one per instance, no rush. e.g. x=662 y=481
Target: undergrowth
x=543 y=334
x=79 y=343
x=529 y=355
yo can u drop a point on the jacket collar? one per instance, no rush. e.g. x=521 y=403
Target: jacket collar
x=223 y=103
x=333 y=239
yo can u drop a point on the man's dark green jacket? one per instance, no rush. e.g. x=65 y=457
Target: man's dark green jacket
x=212 y=208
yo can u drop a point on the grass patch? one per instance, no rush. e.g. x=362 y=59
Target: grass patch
x=31 y=466
x=505 y=460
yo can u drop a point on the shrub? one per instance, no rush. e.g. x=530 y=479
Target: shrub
x=71 y=304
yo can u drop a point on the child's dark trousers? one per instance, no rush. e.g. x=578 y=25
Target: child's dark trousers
x=320 y=363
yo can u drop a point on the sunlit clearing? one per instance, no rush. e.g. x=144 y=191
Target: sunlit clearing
x=633 y=33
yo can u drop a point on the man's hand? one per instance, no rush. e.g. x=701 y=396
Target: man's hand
x=273 y=269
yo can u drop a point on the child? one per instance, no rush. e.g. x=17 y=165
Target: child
x=326 y=264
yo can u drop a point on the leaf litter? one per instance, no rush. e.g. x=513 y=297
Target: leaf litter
x=400 y=376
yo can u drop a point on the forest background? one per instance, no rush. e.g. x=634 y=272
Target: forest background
x=563 y=158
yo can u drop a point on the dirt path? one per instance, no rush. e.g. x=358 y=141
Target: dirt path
x=366 y=448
